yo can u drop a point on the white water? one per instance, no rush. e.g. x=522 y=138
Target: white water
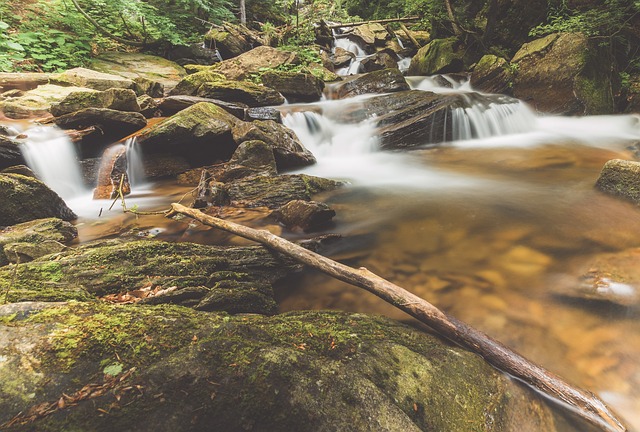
x=52 y=157
x=135 y=166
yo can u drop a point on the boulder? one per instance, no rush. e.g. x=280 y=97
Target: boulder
x=492 y=74
x=148 y=87
x=255 y=61
x=247 y=93
x=263 y=113
x=621 y=178
x=112 y=177
x=256 y=155
x=287 y=148
x=148 y=106
x=36 y=233
x=26 y=198
x=295 y=86
x=439 y=56
x=37 y=102
x=174 y=104
x=307 y=215
x=201 y=133
x=19 y=169
x=232 y=40
x=22 y=252
x=81 y=77
x=115 y=99
x=341 y=58
x=386 y=59
x=564 y=73
x=190 y=84
x=138 y=65
x=22 y=80
x=382 y=81
x=195 y=53
x=161 y=368
x=372 y=34
x=123 y=123
x=210 y=192
x=10 y=153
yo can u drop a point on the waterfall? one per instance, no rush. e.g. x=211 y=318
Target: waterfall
x=135 y=166
x=52 y=157
x=355 y=49
x=482 y=120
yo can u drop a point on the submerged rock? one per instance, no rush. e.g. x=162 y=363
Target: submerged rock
x=170 y=368
x=621 y=178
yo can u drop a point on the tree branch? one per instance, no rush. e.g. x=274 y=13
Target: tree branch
x=584 y=404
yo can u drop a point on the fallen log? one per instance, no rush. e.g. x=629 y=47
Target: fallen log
x=380 y=21
x=584 y=404
x=410 y=36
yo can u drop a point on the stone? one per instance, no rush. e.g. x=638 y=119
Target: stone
x=564 y=73
x=373 y=34
x=115 y=99
x=492 y=74
x=20 y=169
x=148 y=106
x=287 y=148
x=232 y=40
x=37 y=102
x=112 y=175
x=341 y=58
x=10 y=154
x=382 y=81
x=252 y=95
x=295 y=86
x=255 y=154
x=210 y=192
x=35 y=233
x=440 y=56
x=263 y=113
x=620 y=178
x=18 y=253
x=145 y=86
x=255 y=61
x=190 y=84
x=25 y=199
x=123 y=123
x=195 y=53
x=22 y=80
x=307 y=215
x=173 y=104
x=386 y=59
x=88 y=78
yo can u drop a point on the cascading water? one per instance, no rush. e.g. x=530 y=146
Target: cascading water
x=135 y=166
x=52 y=156
x=482 y=120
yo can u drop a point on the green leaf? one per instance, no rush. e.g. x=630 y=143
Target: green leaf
x=113 y=369
x=14 y=46
x=3 y=25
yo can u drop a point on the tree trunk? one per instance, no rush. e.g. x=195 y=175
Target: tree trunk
x=454 y=23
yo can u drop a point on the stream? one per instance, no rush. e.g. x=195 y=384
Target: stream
x=490 y=227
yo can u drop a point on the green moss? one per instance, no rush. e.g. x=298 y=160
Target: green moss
x=189 y=85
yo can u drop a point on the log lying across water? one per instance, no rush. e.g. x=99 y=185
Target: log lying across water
x=380 y=21
x=584 y=404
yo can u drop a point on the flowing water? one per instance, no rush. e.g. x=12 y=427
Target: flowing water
x=490 y=227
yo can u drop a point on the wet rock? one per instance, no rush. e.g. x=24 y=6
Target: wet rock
x=307 y=215
x=163 y=165
x=232 y=40
x=382 y=81
x=81 y=77
x=22 y=80
x=386 y=59
x=254 y=61
x=115 y=99
x=173 y=104
x=201 y=133
x=19 y=169
x=440 y=56
x=295 y=86
x=564 y=73
x=257 y=155
x=25 y=199
x=620 y=178
x=287 y=148
x=341 y=58
x=372 y=34
x=111 y=121
x=190 y=84
x=247 y=93
x=210 y=192
x=112 y=176
x=10 y=154
x=35 y=233
x=263 y=113
x=296 y=371
x=492 y=74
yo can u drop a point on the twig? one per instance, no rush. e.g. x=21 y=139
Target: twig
x=584 y=404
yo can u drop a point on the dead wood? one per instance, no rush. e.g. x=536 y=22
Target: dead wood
x=380 y=21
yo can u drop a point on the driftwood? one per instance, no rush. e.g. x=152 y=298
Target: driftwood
x=380 y=21
x=582 y=403
x=410 y=36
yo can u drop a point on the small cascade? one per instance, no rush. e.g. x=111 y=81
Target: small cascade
x=52 y=157
x=485 y=120
x=135 y=165
x=439 y=83
x=352 y=47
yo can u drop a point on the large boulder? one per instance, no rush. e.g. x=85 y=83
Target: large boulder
x=384 y=59
x=201 y=133
x=287 y=148
x=37 y=102
x=173 y=104
x=439 y=56
x=493 y=74
x=190 y=84
x=81 y=77
x=564 y=73
x=621 y=178
x=40 y=234
x=244 y=92
x=381 y=81
x=160 y=368
x=114 y=98
x=254 y=61
x=22 y=80
x=295 y=86
x=25 y=198
x=232 y=40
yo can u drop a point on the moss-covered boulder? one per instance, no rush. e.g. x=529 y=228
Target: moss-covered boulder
x=201 y=133
x=171 y=368
x=37 y=102
x=35 y=233
x=255 y=61
x=564 y=73
x=493 y=74
x=22 y=80
x=115 y=99
x=438 y=57
x=82 y=77
x=25 y=198
x=190 y=84
x=621 y=178
x=295 y=86
x=247 y=93
x=381 y=81
x=232 y=40
x=287 y=148
x=173 y=104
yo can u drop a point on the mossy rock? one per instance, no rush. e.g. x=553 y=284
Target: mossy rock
x=82 y=77
x=380 y=81
x=10 y=154
x=231 y=40
x=440 y=56
x=190 y=84
x=493 y=74
x=115 y=99
x=253 y=95
x=171 y=368
x=295 y=86
x=621 y=178
x=37 y=102
x=25 y=198
x=255 y=61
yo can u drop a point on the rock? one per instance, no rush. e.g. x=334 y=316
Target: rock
x=22 y=80
x=321 y=371
x=621 y=178
x=423 y=37
x=372 y=34
x=81 y=77
x=287 y=148
x=19 y=169
x=159 y=166
x=35 y=233
x=112 y=175
x=386 y=59
x=116 y=267
x=138 y=65
x=190 y=84
x=257 y=155
x=25 y=199
x=201 y=133
x=275 y=191
x=382 y=81
x=492 y=74
x=341 y=58
x=564 y=73
x=232 y=40
x=122 y=123
x=148 y=106
x=254 y=61
x=145 y=86
x=210 y=192
x=173 y=104
x=115 y=99
x=196 y=53
x=307 y=215
x=263 y=113
x=247 y=93
x=10 y=154
x=295 y=86
x=440 y=56
x=19 y=253
x=37 y=102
